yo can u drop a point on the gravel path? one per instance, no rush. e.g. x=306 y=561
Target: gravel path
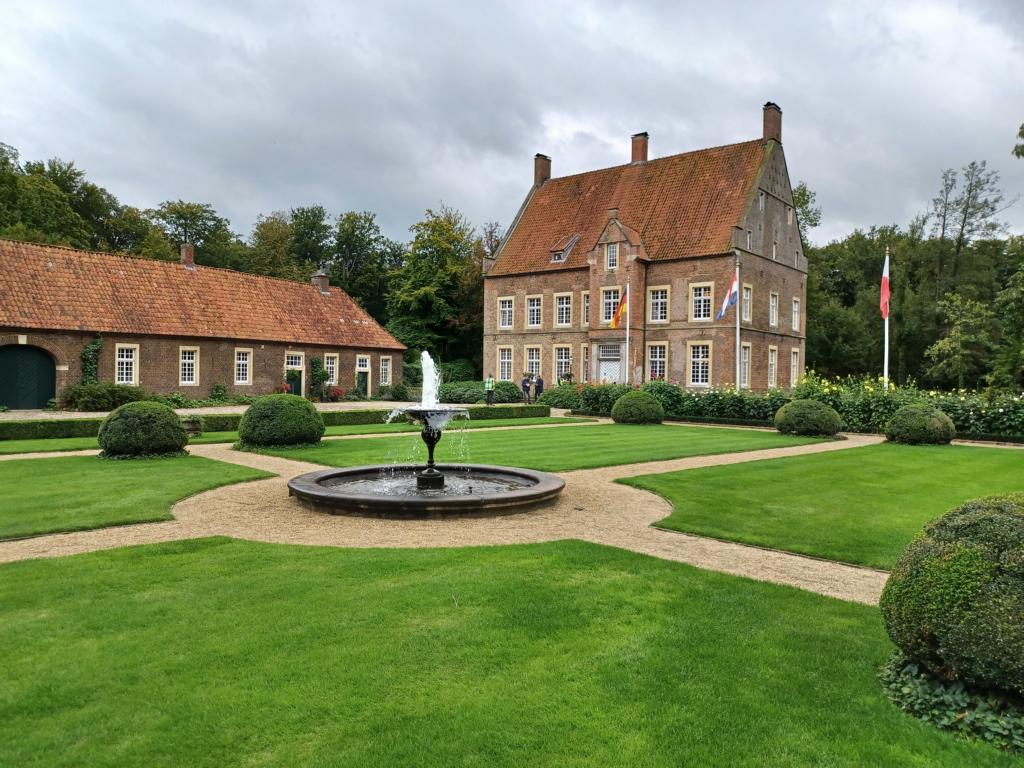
x=592 y=508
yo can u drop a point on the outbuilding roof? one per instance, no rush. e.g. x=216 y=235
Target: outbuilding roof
x=57 y=288
x=682 y=205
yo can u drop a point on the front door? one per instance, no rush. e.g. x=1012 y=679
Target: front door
x=363 y=382
x=28 y=377
x=295 y=381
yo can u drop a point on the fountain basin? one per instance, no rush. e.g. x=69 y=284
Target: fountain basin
x=394 y=491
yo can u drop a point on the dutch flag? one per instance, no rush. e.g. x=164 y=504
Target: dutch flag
x=731 y=297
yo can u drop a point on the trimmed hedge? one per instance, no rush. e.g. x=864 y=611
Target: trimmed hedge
x=43 y=429
x=142 y=429
x=637 y=408
x=562 y=396
x=100 y=396
x=920 y=425
x=280 y=420
x=807 y=417
x=955 y=600
x=473 y=392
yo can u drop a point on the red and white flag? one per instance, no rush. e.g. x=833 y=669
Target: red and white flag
x=883 y=303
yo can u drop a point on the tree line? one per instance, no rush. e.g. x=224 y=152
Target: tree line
x=428 y=291
x=957 y=304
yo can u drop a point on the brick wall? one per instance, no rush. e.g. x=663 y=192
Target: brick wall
x=158 y=361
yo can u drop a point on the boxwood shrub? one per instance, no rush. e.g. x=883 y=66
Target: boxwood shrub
x=100 y=396
x=637 y=408
x=280 y=420
x=142 y=429
x=807 y=417
x=920 y=424
x=955 y=600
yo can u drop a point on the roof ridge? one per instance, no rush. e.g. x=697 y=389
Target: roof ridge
x=140 y=257
x=657 y=159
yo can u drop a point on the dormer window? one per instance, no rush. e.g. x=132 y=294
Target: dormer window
x=611 y=255
x=561 y=252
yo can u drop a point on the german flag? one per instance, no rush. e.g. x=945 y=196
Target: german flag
x=623 y=308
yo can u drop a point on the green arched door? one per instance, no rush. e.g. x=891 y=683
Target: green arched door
x=28 y=377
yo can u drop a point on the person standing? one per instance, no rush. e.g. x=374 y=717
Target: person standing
x=489 y=388
x=526 y=388
x=538 y=388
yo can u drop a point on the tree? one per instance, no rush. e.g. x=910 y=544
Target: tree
x=43 y=208
x=199 y=224
x=270 y=249
x=311 y=236
x=808 y=215
x=962 y=353
x=1018 y=150
x=364 y=262
x=1008 y=365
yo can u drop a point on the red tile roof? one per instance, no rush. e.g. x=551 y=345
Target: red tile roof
x=682 y=205
x=56 y=288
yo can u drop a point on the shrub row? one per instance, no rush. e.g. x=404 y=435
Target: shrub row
x=106 y=396
x=228 y=422
x=473 y=392
x=863 y=404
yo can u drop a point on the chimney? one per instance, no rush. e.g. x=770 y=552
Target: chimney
x=541 y=169
x=640 y=147
x=321 y=281
x=613 y=213
x=772 y=122
x=188 y=255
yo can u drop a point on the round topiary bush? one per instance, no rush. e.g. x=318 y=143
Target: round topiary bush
x=807 y=417
x=280 y=420
x=955 y=601
x=142 y=429
x=920 y=424
x=637 y=408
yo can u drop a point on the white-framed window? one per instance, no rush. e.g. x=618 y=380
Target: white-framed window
x=760 y=200
x=657 y=361
x=362 y=362
x=700 y=301
x=294 y=361
x=773 y=309
x=700 y=363
x=585 y=362
x=796 y=314
x=243 y=366
x=611 y=255
x=773 y=367
x=586 y=309
x=534 y=306
x=794 y=367
x=563 y=362
x=331 y=366
x=657 y=304
x=563 y=309
x=188 y=366
x=385 y=371
x=533 y=360
x=748 y=300
x=609 y=303
x=126 y=364
x=505 y=304
x=744 y=366
x=504 y=363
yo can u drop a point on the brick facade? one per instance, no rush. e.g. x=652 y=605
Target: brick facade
x=763 y=236
x=158 y=361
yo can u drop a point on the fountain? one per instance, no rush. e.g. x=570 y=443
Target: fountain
x=431 y=490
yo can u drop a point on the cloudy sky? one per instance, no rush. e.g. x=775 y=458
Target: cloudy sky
x=395 y=107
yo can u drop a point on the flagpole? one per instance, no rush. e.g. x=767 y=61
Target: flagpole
x=629 y=360
x=739 y=302
x=885 y=362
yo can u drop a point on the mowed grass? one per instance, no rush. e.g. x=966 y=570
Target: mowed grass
x=218 y=652
x=862 y=506
x=551 y=450
x=79 y=492
x=9 y=447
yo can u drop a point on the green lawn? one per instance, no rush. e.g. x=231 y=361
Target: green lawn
x=551 y=450
x=8 y=447
x=218 y=652
x=862 y=506
x=79 y=492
